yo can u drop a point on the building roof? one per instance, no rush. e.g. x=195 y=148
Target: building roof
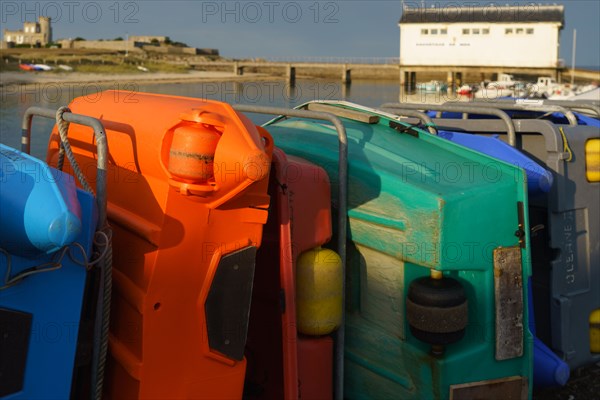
x=490 y=13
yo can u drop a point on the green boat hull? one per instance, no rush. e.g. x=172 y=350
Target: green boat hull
x=417 y=202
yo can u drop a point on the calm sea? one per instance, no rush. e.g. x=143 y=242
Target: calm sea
x=14 y=100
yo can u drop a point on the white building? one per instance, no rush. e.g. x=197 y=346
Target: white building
x=484 y=36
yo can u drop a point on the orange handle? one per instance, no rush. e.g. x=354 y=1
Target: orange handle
x=204 y=117
x=267 y=140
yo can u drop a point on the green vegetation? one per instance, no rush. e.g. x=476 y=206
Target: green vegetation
x=126 y=68
x=89 y=61
x=166 y=67
x=168 y=41
x=6 y=67
x=106 y=68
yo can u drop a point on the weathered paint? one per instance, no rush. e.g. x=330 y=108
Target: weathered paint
x=416 y=203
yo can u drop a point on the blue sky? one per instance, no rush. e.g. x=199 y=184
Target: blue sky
x=274 y=28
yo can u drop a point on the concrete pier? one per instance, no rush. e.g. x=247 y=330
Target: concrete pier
x=408 y=75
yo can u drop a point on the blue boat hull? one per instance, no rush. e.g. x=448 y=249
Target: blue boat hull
x=40 y=314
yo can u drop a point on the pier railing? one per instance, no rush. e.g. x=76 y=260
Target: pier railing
x=330 y=60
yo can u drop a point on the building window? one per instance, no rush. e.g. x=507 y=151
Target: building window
x=508 y=31
x=466 y=31
x=424 y=31
x=485 y=31
x=434 y=31
x=475 y=31
x=519 y=31
x=443 y=31
x=530 y=31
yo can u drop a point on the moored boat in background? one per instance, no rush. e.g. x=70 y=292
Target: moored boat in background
x=432 y=86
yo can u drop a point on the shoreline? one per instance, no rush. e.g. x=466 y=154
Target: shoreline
x=33 y=79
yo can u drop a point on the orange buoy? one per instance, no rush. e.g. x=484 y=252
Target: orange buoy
x=192 y=153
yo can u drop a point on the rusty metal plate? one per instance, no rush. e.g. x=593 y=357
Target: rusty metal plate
x=511 y=388
x=508 y=288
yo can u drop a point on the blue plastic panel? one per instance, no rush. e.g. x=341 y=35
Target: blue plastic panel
x=54 y=299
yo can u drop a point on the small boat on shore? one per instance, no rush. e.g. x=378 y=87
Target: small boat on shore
x=42 y=67
x=35 y=67
x=27 y=67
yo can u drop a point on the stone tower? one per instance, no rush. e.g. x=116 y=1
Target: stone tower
x=45 y=30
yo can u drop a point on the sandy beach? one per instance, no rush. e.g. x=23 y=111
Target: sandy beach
x=34 y=78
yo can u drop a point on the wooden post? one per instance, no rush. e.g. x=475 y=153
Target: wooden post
x=402 y=78
x=346 y=75
x=573 y=58
x=402 y=93
x=291 y=75
x=237 y=70
x=450 y=81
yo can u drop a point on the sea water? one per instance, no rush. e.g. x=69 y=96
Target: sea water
x=15 y=99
